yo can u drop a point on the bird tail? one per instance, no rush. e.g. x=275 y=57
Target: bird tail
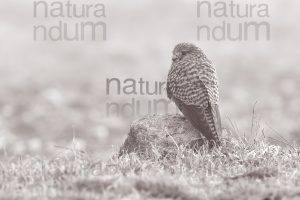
x=212 y=115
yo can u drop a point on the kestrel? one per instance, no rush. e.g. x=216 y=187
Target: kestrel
x=193 y=85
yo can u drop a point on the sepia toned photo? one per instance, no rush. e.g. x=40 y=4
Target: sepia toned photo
x=148 y=99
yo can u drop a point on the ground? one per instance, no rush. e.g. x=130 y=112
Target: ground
x=238 y=170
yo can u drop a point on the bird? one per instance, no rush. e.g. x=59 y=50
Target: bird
x=193 y=85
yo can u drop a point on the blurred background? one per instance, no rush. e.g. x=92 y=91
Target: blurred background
x=52 y=91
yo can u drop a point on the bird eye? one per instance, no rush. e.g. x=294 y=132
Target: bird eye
x=183 y=53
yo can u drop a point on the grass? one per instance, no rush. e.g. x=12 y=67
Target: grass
x=238 y=170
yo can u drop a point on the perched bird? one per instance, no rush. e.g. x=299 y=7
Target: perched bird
x=193 y=85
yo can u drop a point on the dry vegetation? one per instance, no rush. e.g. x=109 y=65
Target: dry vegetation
x=239 y=170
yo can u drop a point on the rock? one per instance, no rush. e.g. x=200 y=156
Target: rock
x=160 y=134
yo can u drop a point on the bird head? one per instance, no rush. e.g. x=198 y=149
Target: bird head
x=183 y=49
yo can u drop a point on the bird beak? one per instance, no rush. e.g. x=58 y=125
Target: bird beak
x=174 y=57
